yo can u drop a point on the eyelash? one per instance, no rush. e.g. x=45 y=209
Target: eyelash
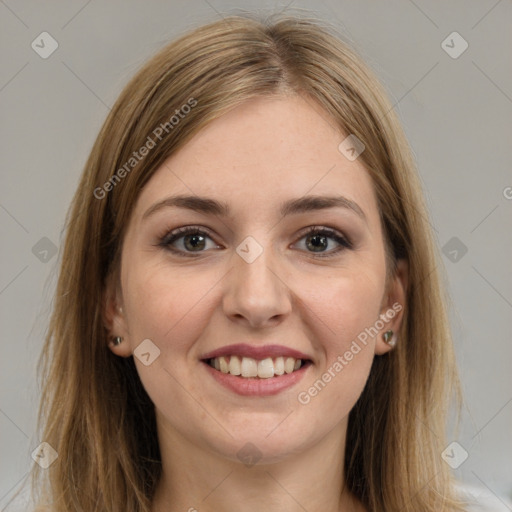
x=172 y=236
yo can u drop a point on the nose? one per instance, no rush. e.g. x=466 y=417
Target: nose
x=257 y=294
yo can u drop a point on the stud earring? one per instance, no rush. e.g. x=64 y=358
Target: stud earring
x=389 y=337
x=117 y=340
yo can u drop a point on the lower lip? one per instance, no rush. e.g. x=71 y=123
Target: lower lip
x=254 y=386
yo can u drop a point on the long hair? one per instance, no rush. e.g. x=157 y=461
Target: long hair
x=94 y=410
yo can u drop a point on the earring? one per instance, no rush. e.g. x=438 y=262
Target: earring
x=389 y=337
x=117 y=340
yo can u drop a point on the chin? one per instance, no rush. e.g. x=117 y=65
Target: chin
x=263 y=443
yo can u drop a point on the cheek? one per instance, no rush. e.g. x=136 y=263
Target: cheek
x=348 y=308
x=172 y=309
x=167 y=306
x=344 y=306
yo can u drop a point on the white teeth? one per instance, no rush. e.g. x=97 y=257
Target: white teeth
x=224 y=368
x=279 y=366
x=249 y=367
x=266 y=368
x=289 y=364
x=234 y=365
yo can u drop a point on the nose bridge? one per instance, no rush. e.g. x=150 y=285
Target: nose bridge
x=256 y=291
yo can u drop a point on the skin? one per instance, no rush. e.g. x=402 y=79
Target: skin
x=254 y=158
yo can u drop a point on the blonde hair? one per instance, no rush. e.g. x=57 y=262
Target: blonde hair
x=94 y=411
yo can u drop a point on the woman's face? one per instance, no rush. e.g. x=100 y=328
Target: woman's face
x=254 y=286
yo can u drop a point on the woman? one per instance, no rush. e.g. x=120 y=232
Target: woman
x=249 y=312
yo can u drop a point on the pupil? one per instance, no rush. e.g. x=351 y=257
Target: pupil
x=316 y=241
x=195 y=244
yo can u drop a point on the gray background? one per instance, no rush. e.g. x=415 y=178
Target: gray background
x=456 y=113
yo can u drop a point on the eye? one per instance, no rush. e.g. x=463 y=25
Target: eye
x=190 y=239
x=317 y=241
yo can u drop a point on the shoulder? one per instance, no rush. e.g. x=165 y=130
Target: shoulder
x=480 y=499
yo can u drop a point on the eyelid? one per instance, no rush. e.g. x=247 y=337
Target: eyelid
x=338 y=236
x=177 y=233
x=173 y=235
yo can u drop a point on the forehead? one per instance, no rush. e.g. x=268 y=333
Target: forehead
x=260 y=154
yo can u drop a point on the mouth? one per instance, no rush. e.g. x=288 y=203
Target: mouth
x=256 y=370
x=251 y=368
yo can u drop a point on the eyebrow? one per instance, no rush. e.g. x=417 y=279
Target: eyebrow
x=211 y=206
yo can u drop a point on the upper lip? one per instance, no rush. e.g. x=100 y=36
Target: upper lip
x=256 y=352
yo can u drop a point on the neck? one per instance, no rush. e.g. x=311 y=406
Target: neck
x=196 y=479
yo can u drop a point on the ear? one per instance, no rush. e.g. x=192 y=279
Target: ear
x=114 y=317
x=392 y=308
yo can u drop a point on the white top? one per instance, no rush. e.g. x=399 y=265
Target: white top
x=480 y=499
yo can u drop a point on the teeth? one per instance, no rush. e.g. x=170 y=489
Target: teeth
x=249 y=367
x=266 y=368
x=289 y=364
x=234 y=365
x=224 y=367
x=279 y=366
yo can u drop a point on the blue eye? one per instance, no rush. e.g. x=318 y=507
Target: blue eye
x=194 y=240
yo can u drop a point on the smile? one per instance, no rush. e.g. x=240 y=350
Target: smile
x=248 y=367
x=256 y=370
